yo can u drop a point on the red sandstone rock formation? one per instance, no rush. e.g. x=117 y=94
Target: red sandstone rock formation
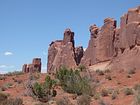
x=127 y=42
x=100 y=46
x=121 y=45
x=34 y=67
x=64 y=53
x=79 y=52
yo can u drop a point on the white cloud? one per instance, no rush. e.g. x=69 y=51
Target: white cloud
x=3 y=66
x=7 y=53
x=7 y=66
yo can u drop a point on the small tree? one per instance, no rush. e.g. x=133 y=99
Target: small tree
x=45 y=91
x=72 y=82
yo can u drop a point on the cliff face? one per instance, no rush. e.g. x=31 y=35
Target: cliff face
x=127 y=41
x=64 y=53
x=120 y=46
x=100 y=47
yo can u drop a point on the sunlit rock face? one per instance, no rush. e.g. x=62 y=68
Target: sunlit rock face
x=100 y=47
x=34 y=67
x=64 y=53
x=119 y=45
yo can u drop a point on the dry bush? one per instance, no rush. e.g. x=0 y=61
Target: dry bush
x=108 y=77
x=11 y=101
x=114 y=95
x=128 y=91
x=63 y=101
x=2 y=77
x=3 y=97
x=84 y=100
x=99 y=72
x=137 y=94
x=14 y=73
x=104 y=92
x=132 y=71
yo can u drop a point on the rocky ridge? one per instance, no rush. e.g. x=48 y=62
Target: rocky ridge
x=120 y=46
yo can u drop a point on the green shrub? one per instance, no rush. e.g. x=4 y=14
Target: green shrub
x=45 y=91
x=72 y=82
x=128 y=91
x=84 y=100
x=49 y=83
x=38 y=90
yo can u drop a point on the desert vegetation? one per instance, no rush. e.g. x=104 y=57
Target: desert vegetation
x=5 y=100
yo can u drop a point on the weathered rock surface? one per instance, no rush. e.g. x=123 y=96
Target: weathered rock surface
x=120 y=46
x=100 y=46
x=34 y=67
x=127 y=42
x=79 y=52
x=64 y=53
x=68 y=37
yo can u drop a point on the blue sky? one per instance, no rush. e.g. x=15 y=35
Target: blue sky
x=27 y=27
